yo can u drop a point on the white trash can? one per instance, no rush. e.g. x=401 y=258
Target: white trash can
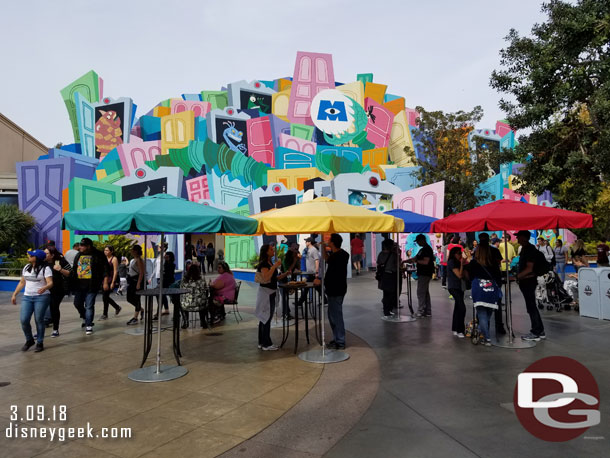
x=604 y=292
x=588 y=292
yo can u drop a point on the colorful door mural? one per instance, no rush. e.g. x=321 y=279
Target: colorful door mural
x=134 y=155
x=260 y=140
x=177 y=130
x=313 y=72
x=379 y=126
x=40 y=185
x=428 y=200
x=85 y=116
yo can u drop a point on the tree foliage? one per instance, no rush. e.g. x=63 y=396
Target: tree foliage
x=121 y=244
x=15 y=226
x=557 y=86
x=444 y=155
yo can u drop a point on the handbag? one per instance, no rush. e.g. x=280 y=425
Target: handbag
x=484 y=288
x=258 y=277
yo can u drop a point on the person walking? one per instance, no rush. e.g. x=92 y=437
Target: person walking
x=123 y=266
x=90 y=274
x=486 y=291
x=335 y=287
x=388 y=275
x=113 y=282
x=561 y=257
x=210 y=255
x=527 y=284
x=61 y=270
x=425 y=268
x=456 y=276
x=71 y=254
x=265 y=299
x=357 y=246
x=135 y=282
x=37 y=278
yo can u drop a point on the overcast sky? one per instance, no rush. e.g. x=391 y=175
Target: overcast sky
x=438 y=53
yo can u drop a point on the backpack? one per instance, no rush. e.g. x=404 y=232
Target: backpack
x=541 y=265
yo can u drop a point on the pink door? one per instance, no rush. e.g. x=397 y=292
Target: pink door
x=313 y=72
x=380 y=122
x=260 y=140
x=299 y=144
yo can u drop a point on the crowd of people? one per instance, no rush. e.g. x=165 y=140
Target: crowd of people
x=84 y=272
x=480 y=268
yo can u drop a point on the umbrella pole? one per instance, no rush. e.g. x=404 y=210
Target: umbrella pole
x=510 y=343
x=161 y=256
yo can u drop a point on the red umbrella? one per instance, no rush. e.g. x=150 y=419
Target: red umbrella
x=508 y=215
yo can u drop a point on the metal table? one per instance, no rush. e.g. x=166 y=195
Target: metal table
x=150 y=294
x=314 y=303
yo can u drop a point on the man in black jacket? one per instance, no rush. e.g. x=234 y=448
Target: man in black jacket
x=388 y=275
x=89 y=275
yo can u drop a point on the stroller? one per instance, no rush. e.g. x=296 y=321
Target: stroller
x=550 y=292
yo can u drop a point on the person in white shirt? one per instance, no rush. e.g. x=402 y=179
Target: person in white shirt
x=546 y=250
x=37 y=278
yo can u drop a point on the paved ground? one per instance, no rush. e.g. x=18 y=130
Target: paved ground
x=408 y=389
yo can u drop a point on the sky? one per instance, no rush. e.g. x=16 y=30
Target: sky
x=438 y=54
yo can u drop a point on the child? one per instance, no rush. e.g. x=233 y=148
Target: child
x=440 y=257
x=122 y=275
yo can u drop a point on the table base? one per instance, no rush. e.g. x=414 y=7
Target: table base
x=325 y=356
x=503 y=342
x=149 y=374
x=398 y=319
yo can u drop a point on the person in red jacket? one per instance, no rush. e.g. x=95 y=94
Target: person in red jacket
x=357 y=246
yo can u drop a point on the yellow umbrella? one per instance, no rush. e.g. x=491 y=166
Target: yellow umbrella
x=324 y=215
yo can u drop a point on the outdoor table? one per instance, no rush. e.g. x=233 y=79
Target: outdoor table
x=149 y=294
x=302 y=289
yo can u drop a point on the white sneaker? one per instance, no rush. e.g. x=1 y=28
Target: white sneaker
x=260 y=346
x=89 y=330
x=454 y=333
x=460 y=335
x=270 y=348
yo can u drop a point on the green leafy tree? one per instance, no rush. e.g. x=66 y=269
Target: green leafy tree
x=557 y=86
x=446 y=156
x=15 y=226
x=121 y=244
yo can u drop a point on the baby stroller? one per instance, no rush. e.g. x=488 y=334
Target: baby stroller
x=550 y=292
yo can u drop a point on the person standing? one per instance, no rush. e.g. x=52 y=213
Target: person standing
x=291 y=263
x=200 y=248
x=37 y=278
x=90 y=274
x=357 y=246
x=113 y=280
x=210 y=255
x=495 y=262
x=388 y=273
x=485 y=289
x=579 y=255
x=166 y=279
x=335 y=286
x=527 y=284
x=71 y=254
x=546 y=250
x=123 y=266
x=61 y=272
x=507 y=251
x=425 y=268
x=561 y=257
x=456 y=274
x=602 y=254
x=312 y=264
x=265 y=299
x=135 y=282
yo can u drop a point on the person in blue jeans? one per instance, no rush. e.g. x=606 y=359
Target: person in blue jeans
x=90 y=273
x=37 y=278
x=335 y=287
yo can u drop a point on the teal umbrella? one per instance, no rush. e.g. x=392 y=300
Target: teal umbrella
x=161 y=213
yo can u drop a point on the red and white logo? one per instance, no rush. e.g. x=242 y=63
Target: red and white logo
x=557 y=399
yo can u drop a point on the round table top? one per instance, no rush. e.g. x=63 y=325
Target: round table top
x=308 y=284
x=155 y=291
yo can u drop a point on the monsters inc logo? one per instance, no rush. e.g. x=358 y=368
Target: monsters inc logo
x=339 y=117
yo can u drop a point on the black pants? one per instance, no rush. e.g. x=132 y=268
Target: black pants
x=132 y=297
x=459 y=310
x=56 y=299
x=107 y=300
x=210 y=260
x=528 y=289
x=264 y=329
x=201 y=260
x=164 y=299
x=389 y=301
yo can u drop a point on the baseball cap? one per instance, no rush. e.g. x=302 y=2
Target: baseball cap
x=40 y=254
x=309 y=239
x=86 y=242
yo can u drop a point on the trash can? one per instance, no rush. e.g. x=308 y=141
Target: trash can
x=588 y=292
x=604 y=292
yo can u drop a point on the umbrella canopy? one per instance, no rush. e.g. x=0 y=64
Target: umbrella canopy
x=507 y=215
x=414 y=222
x=324 y=215
x=156 y=214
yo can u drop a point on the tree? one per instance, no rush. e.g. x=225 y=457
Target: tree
x=558 y=83
x=15 y=226
x=122 y=245
x=444 y=154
